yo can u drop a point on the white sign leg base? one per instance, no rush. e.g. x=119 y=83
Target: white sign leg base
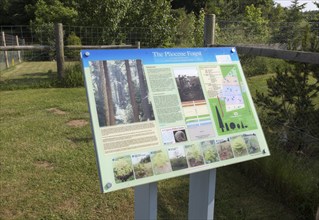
x=145 y=199
x=202 y=195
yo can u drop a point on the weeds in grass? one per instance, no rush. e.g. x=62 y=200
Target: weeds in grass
x=48 y=168
x=73 y=76
x=33 y=75
x=289 y=176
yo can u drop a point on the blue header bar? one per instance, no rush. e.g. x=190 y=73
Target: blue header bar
x=160 y=55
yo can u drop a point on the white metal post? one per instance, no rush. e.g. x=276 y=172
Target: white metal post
x=145 y=201
x=202 y=195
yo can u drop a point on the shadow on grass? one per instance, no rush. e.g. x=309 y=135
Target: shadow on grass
x=28 y=83
x=173 y=198
x=39 y=75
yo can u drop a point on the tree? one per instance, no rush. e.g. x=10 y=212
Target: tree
x=144 y=93
x=46 y=13
x=289 y=105
x=278 y=17
x=102 y=13
x=131 y=91
x=224 y=9
x=108 y=102
x=13 y=12
x=51 y=11
x=185 y=28
x=156 y=17
x=255 y=25
x=190 y=6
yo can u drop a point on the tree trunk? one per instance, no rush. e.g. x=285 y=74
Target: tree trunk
x=110 y=113
x=131 y=91
x=143 y=88
x=102 y=88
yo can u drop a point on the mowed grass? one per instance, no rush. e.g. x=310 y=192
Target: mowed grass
x=28 y=70
x=48 y=168
x=28 y=75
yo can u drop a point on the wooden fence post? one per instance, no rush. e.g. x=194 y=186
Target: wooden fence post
x=19 y=53
x=209 y=30
x=5 y=52
x=59 y=46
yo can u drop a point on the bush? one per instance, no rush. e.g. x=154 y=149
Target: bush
x=73 y=76
x=72 y=54
x=253 y=66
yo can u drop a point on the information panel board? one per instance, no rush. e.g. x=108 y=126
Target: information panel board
x=162 y=113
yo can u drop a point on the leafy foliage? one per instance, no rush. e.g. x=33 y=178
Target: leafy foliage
x=72 y=39
x=289 y=102
x=211 y=156
x=103 y=13
x=239 y=146
x=160 y=159
x=255 y=25
x=156 y=16
x=73 y=76
x=123 y=170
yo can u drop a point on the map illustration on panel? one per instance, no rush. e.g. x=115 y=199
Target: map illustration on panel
x=228 y=100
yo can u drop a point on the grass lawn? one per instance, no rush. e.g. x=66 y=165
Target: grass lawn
x=29 y=70
x=28 y=75
x=48 y=168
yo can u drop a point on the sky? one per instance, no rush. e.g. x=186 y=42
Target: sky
x=309 y=6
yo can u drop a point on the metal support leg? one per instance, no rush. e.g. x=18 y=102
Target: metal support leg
x=202 y=195
x=145 y=199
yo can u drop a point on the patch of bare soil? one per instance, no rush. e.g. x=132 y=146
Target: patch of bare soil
x=56 y=111
x=44 y=164
x=78 y=123
x=70 y=206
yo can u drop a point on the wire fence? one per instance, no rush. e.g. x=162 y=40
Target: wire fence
x=273 y=35
x=228 y=32
x=13 y=56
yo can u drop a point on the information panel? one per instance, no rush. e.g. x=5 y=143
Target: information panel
x=162 y=113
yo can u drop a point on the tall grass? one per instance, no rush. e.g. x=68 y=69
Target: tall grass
x=291 y=176
x=73 y=76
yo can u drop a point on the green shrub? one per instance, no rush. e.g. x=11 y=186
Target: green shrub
x=73 y=76
x=72 y=54
x=254 y=66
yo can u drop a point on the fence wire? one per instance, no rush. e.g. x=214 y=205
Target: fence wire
x=273 y=34
x=227 y=32
x=13 y=56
